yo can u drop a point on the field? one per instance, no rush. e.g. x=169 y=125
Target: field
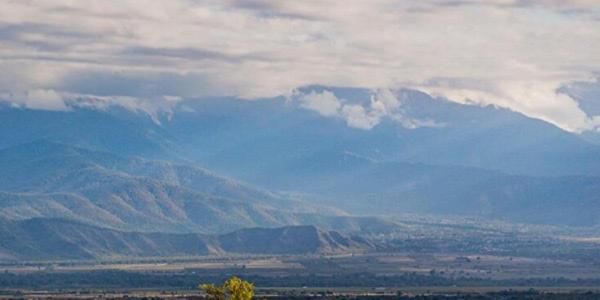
x=365 y=275
x=429 y=256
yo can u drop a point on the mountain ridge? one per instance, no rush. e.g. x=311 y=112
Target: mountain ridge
x=58 y=239
x=204 y=203
x=295 y=165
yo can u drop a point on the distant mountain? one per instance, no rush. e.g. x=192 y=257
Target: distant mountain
x=260 y=140
x=388 y=188
x=483 y=161
x=44 y=239
x=257 y=140
x=45 y=179
x=48 y=166
x=134 y=172
x=113 y=129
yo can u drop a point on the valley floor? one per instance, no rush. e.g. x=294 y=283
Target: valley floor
x=422 y=293
x=308 y=277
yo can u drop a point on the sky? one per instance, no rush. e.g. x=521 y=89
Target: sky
x=540 y=58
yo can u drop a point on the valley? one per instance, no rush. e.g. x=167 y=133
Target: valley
x=296 y=276
x=269 y=149
x=288 y=208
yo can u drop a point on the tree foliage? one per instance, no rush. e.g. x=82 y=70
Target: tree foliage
x=213 y=292
x=234 y=288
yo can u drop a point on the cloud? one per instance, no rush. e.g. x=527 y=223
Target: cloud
x=37 y=99
x=138 y=84
x=356 y=116
x=156 y=108
x=325 y=103
x=360 y=114
x=512 y=53
x=538 y=98
x=587 y=94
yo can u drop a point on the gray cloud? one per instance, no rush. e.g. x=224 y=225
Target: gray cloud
x=511 y=53
x=268 y=9
x=195 y=54
x=137 y=84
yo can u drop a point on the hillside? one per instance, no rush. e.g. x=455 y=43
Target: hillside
x=290 y=240
x=44 y=239
x=46 y=179
x=365 y=186
x=254 y=140
x=220 y=164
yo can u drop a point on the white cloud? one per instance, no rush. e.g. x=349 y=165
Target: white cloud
x=37 y=99
x=356 y=116
x=381 y=104
x=512 y=53
x=539 y=99
x=155 y=108
x=325 y=103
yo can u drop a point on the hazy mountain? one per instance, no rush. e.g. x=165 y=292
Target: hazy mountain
x=436 y=156
x=112 y=129
x=364 y=186
x=45 y=179
x=37 y=239
x=259 y=140
x=47 y=166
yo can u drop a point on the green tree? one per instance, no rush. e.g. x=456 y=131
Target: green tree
x=233 y=289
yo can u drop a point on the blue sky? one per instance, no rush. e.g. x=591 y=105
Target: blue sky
x=518 y=54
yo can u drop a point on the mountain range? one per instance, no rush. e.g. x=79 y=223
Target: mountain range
x=208 y=167
x=56 y=239
x=53 y=180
